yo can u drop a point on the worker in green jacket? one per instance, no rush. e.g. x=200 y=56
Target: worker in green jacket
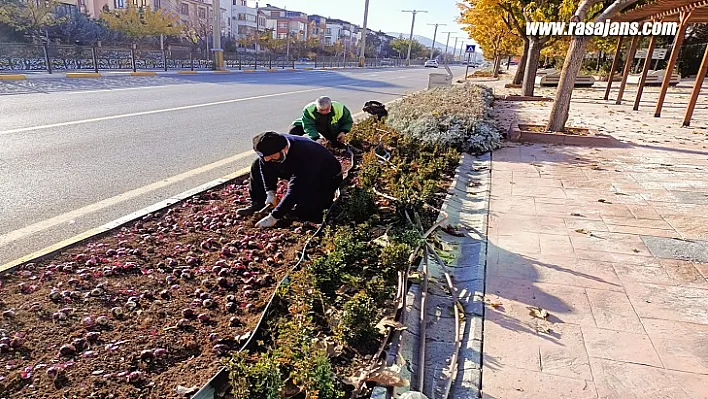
x=326 y=118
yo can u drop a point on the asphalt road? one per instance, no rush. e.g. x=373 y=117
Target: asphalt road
x=76 y=154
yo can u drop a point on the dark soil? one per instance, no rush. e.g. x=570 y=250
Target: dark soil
x=116 y=306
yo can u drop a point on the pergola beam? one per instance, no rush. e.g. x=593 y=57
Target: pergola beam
x=696 y=89
x=645 y=72
x=685 y=16
x=627 y=67
x=615 y=63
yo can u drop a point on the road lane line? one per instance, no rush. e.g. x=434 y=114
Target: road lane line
x=157 y=111
x=77 y=213
x=125 y=219
x=80 y=212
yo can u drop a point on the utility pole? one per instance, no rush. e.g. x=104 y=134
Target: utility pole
x=454 y=49
x=432 y=49
x=362 y=55
x=447 y=45
x=410 y=39
x=218 y=51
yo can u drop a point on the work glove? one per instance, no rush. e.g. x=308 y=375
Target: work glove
x=268 y=221
x=271 y=199
x=340 y=137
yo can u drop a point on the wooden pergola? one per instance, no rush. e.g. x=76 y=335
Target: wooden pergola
x=685 y=13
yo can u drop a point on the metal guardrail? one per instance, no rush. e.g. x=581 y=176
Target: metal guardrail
x=49 y=57
x=52 y=57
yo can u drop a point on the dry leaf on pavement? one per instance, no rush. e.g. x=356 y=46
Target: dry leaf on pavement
x=538 y=312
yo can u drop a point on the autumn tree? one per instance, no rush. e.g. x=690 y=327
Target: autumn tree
x=484 y=24
x=576 y=53
x=29 y=16
x=140 y=22
x=401 y=47
x=519 y=14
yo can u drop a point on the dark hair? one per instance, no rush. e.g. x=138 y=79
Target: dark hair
x=269 y=143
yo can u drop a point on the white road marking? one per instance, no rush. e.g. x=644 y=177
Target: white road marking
x=77 y=213
x=157 y=111
x=109 y=90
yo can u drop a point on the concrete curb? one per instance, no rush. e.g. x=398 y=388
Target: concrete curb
x=98 y=231
x=467 y=206
x=103 y=74
x=12 y=77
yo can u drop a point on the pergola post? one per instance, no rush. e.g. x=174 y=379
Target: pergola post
x=696 y=89
x=627 y=66
x=683 y=24
x=615 y=63
x=645 y=72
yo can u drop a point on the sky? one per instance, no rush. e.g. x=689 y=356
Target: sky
x=385 y=15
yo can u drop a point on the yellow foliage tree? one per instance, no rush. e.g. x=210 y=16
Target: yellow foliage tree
x=30 y=17
x=139 y=22
x=483 y=21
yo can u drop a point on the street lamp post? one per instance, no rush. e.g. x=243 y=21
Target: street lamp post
x=410 y=39
x=432 y=49
x=362 y=55
x=447 y=46
x=454 y=48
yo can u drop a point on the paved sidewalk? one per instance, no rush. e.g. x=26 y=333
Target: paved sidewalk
x=613 y=244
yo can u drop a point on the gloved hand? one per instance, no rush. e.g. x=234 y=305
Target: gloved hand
x=340 y=137
x=271 y=199
x=268 y=221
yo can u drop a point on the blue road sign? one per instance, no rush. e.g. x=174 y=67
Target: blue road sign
x=470 y=48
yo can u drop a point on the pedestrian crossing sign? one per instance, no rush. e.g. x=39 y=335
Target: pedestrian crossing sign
x=470 y=48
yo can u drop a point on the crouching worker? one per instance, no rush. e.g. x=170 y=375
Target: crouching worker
x=314 y=175
x=324 y=118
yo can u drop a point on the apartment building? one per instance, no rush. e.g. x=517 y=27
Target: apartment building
x=317 y=27
x=277 y=21
x=341 y=31
x=244 y=20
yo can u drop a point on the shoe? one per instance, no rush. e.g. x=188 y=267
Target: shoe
x=249 y=210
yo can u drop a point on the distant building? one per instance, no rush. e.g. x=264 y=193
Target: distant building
x=318 y=27
x=245 y=20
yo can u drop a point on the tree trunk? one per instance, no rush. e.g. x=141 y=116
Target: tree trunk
x=531 y=66
x=571 y=68
x=497 y=62
x=519 y=76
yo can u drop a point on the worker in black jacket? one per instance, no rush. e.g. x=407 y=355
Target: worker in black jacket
x=314 y=174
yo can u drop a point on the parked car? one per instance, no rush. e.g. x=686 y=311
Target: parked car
x=431 y=64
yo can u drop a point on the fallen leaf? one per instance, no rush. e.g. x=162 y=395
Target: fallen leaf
x=494 y=305
x=185 y=391
x=576 y=214
x=635 y=250
x=389 y=322
x=582 y=231
x=449 y=229
x=544 y=330
x=387 y=376
x=538 y=312
x=604 y=201
x=415 y=277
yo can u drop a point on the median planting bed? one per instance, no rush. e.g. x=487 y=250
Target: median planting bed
x=145 y=309
x=157 y=307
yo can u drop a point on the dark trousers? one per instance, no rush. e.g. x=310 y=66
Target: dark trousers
x=312 y=201
x=297 y=130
